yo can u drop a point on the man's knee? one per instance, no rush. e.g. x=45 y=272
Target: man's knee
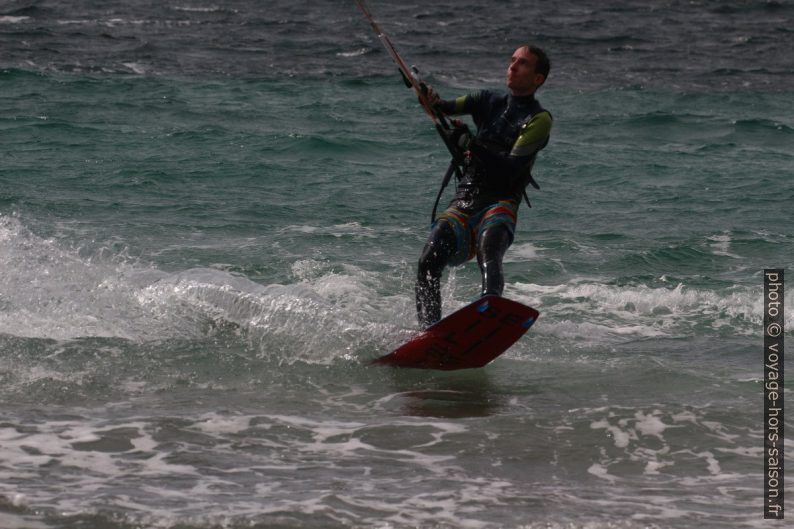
x=494 y=242
x=437 y=251
x=491 y=247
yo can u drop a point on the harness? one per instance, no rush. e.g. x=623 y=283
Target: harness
x=496 y=137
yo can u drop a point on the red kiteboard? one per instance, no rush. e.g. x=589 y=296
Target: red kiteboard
x=470 y=337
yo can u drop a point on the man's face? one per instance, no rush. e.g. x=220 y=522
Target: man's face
x=522 y=79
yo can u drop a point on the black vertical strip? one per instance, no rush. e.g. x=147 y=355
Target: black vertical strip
x=773 y=394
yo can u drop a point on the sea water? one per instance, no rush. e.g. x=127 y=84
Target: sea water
x=210 y=216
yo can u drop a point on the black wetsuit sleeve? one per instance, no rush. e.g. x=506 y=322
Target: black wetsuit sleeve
x=446 y=107
x=461 y=105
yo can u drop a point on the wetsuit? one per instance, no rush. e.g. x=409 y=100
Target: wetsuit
x=481 y=218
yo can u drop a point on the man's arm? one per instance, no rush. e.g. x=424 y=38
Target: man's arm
x=534 y=136
x=455 y=107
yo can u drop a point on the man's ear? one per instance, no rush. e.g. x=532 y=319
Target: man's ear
x=540 y=79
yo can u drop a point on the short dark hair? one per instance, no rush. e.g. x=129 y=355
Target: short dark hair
x=542 y=63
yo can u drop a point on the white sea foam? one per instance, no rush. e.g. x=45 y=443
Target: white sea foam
x=135 y=67
x=721 y=245
x=522 y=252
x=7 y=19
x=275 y=447
x=197 y=9
x=355 y=53
x=48 y=291
x=601 y=471
x=351 y=471
x=348 y=229
x=14 y=521
x=222 y=424
x=605 y=312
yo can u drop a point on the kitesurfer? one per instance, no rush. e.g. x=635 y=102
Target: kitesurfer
x=480 y=221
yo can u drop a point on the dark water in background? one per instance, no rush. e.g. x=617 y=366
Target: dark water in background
x=674 y=44
x=209 y=220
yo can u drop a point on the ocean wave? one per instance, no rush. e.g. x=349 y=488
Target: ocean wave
x=56 y=293
x=596 y=313
x=762 y=125
x=662 y=461
x=49 y=292
x=6 y=19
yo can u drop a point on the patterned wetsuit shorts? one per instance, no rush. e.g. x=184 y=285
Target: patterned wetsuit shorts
x=470 y=225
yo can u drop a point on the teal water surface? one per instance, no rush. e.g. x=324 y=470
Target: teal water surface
x=196 y=273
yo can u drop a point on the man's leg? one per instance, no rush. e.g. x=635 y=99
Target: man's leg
x=439 y=248
x=491 y=248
